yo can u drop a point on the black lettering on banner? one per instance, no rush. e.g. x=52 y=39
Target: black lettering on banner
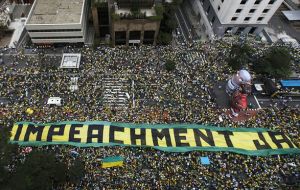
x=261 y=146
x=98 y=136
x=32 y=129
x=112 y=130
x=209 y=139
x=227 y=135
x=18 y=132
x=52 y=131
x=134 y=136
x=74 y=131
x=179 y=138
x=165 y=133
x=278 y=142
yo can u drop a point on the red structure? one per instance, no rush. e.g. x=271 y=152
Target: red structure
x=238 y=102
x=238 y=88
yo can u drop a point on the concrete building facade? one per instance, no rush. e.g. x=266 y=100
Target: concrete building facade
x=218 y=17
x=57 y=21
x=137 y=31
x=128 y=21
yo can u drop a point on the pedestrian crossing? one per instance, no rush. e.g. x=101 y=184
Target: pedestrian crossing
x=194 y=57
x=115 y=92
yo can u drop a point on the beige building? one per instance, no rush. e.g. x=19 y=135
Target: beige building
x=57 y=21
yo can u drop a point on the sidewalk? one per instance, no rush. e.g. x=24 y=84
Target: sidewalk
x=18 y=27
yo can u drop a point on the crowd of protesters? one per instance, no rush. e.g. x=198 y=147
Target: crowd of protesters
x=184 y=95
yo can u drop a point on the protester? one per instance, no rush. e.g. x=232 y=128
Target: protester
x=156 y=96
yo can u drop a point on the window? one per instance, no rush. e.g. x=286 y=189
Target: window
x=272 y=2
x=234 y=18
x=243 y=2
x=257 y=2
x=252 y=30
x=240 y=30
x=252 y=10
x=208 y=9
x=135 y=35
x=228 y=30
x=247 y=19
x=266 y=10
x=219 y=8
x=238 y=11
x=260 y=18
x=213 y=19
x=222 y=1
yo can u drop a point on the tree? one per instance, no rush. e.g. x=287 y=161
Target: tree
x=40 y=170
x=76 y=171
x=164 y=38
x=275 y=62
x=168 y=23
x=170 y=65
x=240 y=56
x=7 y=152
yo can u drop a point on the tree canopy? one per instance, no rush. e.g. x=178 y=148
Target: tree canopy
x=170 y=65
x=240 y=56
x=37 y=170
x=275 y=62
x=40 y=170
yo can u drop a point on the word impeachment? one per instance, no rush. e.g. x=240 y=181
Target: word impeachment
x=174 y=138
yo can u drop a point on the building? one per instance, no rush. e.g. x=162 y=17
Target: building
x=218 y=17
x=21 y=1
x=128 y=21
x=57 y=21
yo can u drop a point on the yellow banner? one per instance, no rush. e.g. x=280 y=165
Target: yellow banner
x=176 y=138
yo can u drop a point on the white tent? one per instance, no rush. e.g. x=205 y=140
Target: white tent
x=54 y=101
x=70 y=61
x=258 y=87
x=73 y=84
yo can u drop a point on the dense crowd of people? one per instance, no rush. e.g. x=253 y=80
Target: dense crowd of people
x=184 y=95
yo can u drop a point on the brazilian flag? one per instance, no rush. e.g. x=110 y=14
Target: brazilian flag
x=112 y=161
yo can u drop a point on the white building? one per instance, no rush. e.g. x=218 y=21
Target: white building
x=57 y=21
x=218 y=17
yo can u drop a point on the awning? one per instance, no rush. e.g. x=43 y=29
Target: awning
x=290 y=83
x=292 y=15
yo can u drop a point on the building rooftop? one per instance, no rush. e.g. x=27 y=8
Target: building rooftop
x=292 y=15
x=148 y=12
x=56 y=12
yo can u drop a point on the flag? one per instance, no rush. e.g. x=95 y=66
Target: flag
x=29 y=111
x=112 y=161
x=204 y=160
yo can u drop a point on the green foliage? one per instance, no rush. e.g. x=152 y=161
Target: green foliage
x=177 y=2
x=170 y=65
x=40 y=170
x=76 y=171
x=96 y=42
x=164 y=38
x=168 y=23
x=275 y=62
x=98 y=3
x=7 y=151
x=159 y=9
x=240 y=56
x=115 y=16
x=135 y=11
x=155 y=18
x=171 y=24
